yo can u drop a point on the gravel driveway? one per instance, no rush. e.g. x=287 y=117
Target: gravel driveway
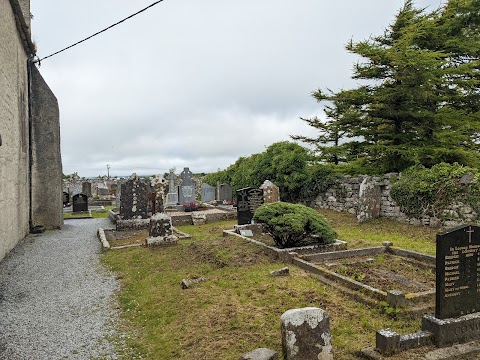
x=56 y=298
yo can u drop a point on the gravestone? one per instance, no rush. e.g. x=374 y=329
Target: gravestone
x=186 y=191
x=161 y=231
x=87 y=188
x=118 y=193
x=369 y=200
x=158 y=184
x=66 y=198
x=76 y=189
x=171 y=181
x=134 y=199
x=457 y=299
x=172 y=199
x=271 y=192
x=172 y=195
x=458 y=272
x=207 y=193
x=306 y=334
x=80 y=203
x=113 y=188
x=248 y=200
x=225 y=193
x=103 y=191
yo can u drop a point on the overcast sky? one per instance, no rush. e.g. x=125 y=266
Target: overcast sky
x=194 y=83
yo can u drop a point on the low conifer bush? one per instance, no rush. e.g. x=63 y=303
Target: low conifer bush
x=294 y=224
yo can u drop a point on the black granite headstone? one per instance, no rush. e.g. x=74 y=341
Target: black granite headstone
x=66 y=198
x=80 y=202
x=248 y=200
x=458 y=272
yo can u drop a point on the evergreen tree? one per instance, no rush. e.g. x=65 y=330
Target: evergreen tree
x=420 y=102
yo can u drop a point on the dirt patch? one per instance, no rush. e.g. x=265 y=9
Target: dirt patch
x=126 y=237
x=224 y=252
x=386 y=272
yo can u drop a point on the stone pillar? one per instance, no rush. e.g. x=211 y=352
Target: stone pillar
x=306 y=334
x=369 y=199
x=46 y=161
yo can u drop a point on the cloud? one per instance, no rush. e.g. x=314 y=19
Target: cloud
x=192 y=83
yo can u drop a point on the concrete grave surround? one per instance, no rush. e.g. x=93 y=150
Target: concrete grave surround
x=271 y=192
x=457 y=316
x=306 y=334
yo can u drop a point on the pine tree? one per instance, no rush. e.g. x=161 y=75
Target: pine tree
x=420 y=102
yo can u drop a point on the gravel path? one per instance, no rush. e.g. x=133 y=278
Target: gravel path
x=56 y=298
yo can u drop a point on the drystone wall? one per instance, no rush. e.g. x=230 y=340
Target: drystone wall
x=368 y=197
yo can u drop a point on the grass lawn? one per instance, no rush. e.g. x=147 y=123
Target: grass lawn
x=238 y=307
x=96 y=214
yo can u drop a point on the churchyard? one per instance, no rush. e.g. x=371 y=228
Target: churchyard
x=207 y=272
x=238 y=306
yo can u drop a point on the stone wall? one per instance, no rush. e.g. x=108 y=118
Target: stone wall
x=361 y=196
x=14 y=151
x=47 y=206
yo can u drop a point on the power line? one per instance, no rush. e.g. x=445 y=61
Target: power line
x=101 y=31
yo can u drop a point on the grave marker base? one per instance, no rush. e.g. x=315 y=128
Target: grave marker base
x=458 y=330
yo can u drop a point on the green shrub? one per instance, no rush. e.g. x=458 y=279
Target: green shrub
x=294 y=224
x=422 y=191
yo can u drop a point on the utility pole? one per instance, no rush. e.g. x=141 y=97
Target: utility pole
x=108 y=171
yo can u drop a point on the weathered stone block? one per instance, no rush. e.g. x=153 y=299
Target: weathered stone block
x=454 y=330
x=281 y=272
x=260 y=354
x=306 y=334
x=387 y=341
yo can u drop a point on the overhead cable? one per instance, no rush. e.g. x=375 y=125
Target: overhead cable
x=99 y=32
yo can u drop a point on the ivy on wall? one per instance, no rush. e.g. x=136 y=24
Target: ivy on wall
x=422 y=191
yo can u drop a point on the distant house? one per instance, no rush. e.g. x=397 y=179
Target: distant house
x=30 y=161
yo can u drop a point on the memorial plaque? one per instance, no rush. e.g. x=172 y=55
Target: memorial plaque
x=458 y=272
x=80 y=203
x=248 y=200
